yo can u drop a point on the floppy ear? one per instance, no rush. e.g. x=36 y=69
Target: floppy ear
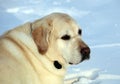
x=40 y=38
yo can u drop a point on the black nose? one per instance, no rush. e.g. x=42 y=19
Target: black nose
x=85 y=51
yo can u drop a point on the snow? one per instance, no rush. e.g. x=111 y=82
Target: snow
x=106 y=45
x=93 y=76
x=99 y=20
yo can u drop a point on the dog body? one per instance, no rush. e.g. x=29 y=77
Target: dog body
x=39 y=52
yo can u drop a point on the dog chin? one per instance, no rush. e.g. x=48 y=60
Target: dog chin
x=75 y=63
x=70 y=63
x=78 y=62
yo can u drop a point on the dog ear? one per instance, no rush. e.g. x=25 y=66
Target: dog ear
x=40 y=38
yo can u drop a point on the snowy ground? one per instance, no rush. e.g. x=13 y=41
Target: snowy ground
x=100 y=21
x=93 y=76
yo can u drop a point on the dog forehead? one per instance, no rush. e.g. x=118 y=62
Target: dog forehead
x=60 y=22
x=64 y=26
x=53 y=18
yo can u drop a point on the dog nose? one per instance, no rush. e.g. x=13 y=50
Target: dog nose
x=85 y=51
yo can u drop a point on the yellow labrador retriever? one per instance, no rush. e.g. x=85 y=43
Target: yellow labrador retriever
x=39 y=52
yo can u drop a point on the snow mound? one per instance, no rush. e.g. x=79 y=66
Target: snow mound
x=93 y=76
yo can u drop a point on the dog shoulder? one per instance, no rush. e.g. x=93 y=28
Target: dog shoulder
x=21 y=35
x=25 y=28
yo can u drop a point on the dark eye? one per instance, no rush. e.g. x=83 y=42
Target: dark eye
x=65 y=37
x=79 y=31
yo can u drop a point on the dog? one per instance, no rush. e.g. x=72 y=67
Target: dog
x=39 y=52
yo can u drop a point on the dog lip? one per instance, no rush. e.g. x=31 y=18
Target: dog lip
x=74 y=63
x=70 y=63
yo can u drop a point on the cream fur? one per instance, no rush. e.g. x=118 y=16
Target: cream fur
x=22 y=63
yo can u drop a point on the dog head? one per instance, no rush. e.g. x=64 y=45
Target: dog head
x=58 y=37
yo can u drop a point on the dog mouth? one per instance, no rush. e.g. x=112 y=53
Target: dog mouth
x=70 y=63
x=83 y=58
x=84 y=54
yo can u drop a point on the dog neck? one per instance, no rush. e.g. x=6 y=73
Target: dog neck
x=53 y=66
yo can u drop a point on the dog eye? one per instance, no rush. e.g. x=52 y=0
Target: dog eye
x=79 y=31
x=65 y=37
